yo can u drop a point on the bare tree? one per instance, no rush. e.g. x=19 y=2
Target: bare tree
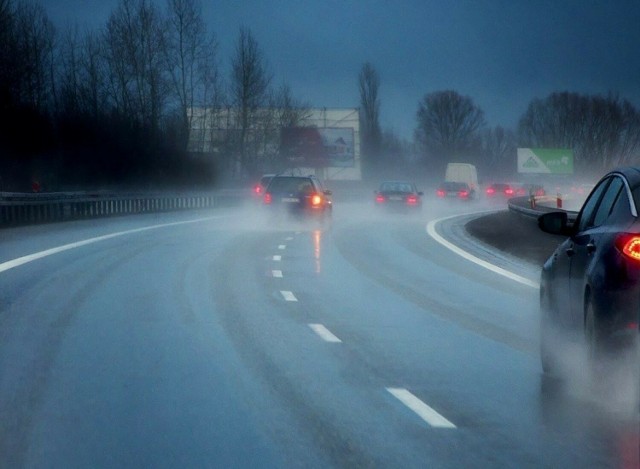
x=191 y=58
x=449 y=125
x=249 y=91
x=369 y=85
x=498 y=150
x=602 y=131
x=135 y=55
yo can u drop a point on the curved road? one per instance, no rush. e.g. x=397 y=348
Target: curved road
x=216 y=339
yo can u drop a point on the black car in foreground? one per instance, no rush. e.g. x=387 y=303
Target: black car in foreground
x=298 y=197
x=590 y=286
x=398 y=195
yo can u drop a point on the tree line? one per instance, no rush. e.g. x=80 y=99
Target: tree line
x=602 y=131
x=113 y=107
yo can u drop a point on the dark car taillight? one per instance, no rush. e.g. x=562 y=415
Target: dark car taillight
x=267 y=198
x=412 y=200
x=629 y=245
x=316 y=200
x=463 y=194
x=441 y=193
x=379 y=198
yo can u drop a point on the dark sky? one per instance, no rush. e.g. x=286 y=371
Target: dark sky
x=500 y=53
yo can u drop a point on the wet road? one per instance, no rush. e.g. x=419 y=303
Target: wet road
x=217 y=339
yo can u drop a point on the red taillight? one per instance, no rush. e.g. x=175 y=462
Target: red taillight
x=440 y=193
x=379 y=198
x=267 y=198
x=508 y=191
x=491 y=191
x=629 y=245
x=463 y=194
x=257 y=189
x=412 y=200
x=316 y=200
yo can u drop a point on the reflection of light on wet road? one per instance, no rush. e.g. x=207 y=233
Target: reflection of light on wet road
x=317 y=238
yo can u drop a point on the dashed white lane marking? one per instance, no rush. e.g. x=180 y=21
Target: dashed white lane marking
x=324 y=333
x=289 y=238
x=277 y=273
x=425 y=412
x=66 y=247
x=431 y=230
x=288 y=296
x=277 y=258
x=282 y=247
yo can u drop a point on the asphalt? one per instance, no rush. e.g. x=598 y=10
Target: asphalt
x=515 y=234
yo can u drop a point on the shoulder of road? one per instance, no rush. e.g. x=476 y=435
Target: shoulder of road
x=514 y=232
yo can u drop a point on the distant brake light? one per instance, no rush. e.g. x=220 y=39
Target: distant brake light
x=490 y=191
x=629 y=245
x=508 y=191
x=440 y=193
x=463 y=194
x=412 y=200
x=258 y=189
x=267 y=198
x=379 y=198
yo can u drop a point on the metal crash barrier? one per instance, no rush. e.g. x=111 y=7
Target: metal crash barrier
x=23 y=209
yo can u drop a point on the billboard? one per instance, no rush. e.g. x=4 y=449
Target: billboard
x=545 y=161
x=319 y=147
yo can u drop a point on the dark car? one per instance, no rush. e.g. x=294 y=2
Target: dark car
x=398 y=195
x=500 y=189
x=457 y=190
x=298 y=196
x=590 y=286
x=261 y=185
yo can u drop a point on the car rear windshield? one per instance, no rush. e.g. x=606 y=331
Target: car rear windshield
x=396 y=187
x=454 y=186
x=290 y=184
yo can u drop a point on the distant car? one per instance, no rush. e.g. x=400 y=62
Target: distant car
x=398 y=195
x=298 y=197
x=260 y=186
x=500 y=189
x=590 y=286
x=455 y=190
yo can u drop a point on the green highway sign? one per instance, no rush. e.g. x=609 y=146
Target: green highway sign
x=545 y=161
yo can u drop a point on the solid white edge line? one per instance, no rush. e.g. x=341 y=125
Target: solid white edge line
x=66 y=247
x=277 y=258
x=288 y=296
x=431 y=230
x=324 y=333
x=277 y=273
x=425 y=412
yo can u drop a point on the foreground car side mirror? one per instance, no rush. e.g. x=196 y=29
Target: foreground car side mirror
x=555 y=223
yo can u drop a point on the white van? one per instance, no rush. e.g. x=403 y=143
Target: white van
x=463 y=172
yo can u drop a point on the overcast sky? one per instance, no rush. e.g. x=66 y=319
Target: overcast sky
x=500 y=53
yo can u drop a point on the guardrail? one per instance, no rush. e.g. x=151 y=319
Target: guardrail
x=22 y=209
x=536 y=206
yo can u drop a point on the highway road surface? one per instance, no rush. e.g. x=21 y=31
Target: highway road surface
x=222 y=339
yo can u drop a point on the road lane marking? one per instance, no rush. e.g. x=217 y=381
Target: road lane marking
x=324 y=333
x=288 y=296
x=431 y=230
x=282 y=247
x=425 y=412
x=289 y=238
x=66 y=247
x=277 y=273
x=277 y=258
